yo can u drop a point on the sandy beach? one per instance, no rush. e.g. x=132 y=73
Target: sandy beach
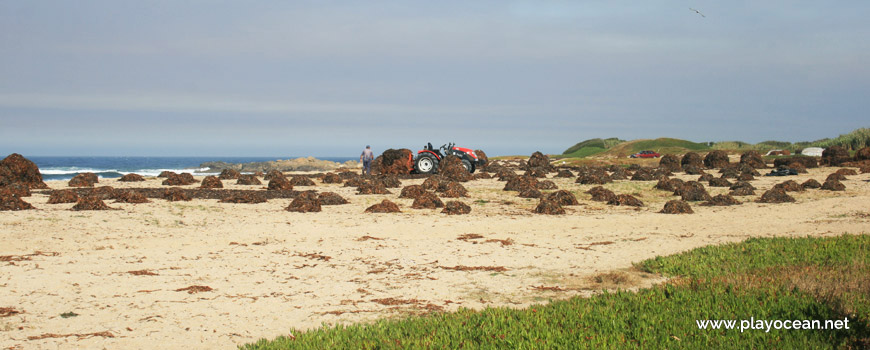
x=208 y=275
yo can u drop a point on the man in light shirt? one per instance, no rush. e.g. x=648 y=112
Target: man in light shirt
x=366 y=158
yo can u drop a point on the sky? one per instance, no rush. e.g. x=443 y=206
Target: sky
x=326 y=78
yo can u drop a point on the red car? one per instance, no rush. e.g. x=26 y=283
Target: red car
x=645 y=154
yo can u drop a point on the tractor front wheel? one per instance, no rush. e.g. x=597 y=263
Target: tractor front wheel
x=426 y=164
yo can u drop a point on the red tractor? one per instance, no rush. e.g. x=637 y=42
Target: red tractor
x=427 y=159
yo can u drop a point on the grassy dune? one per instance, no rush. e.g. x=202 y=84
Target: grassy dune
x=764 y=278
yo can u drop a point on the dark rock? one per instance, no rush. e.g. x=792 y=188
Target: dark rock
x=677 y=207
x=456 y=208
x=775 y=195
x=248 y=180
x=716 y=159
x=131 y=178
x=84 y=180
x=229 y=174
x=331 y=198
x=549 y=207
x=211 y=181
x=17 y=169
x=384 y=206
x=90 y=203
x=427 y=200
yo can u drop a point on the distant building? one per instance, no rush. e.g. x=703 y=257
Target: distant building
x=812 y=151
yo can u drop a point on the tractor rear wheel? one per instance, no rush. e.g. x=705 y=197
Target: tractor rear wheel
x=467 y=166
x=426 y=164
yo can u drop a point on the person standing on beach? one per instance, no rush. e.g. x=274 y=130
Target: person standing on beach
x=366 y=158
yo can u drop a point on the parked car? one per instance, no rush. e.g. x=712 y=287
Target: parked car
x=645 y=154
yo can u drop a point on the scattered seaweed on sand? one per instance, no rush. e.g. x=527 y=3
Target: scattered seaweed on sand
x=105 y=334
x=279 y=183
x=372 y=187
x=304 y=204
x=17 y=169
x=248 y=180
x=384 y=206
x=452 y=189
x=273 y=174
x=131 y=177
x=677 y=206
x=716 y=159
x=195 y=289
x=331 y=198
x=549 y=207
x=719 y=182
x=83 y=180
x=692 y=191
x=229 y=174
x=301 y=181
x=563 y=197
x=530 y=193
x=13 y=203
x=134 y=197
x=811 y=183
x=331 y=178
x=546 y=185
x=670 y=162
x=775 y=195
x=564 y=173
x=836 y=176
x=314 y=256
x=721 y=200
x=412 y=191
x=8 y=311
x=175 y=194
x=166 y=173
x=211 y=181
x=90 y=203
x=625 y=200
x=833 y=185
x=142 y=273
x=474 y=268
x=427 y=200
x=753 y=159
x=520 y=182
x=456 y=208
x=789 y=186
x=601 y=194
x=452 y=168
x=246 y=198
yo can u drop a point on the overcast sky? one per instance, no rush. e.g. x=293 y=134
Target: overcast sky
x=325 y=78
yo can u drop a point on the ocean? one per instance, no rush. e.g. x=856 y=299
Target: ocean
x=64 y=168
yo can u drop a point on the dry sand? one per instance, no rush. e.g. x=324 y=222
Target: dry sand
x=270 y=270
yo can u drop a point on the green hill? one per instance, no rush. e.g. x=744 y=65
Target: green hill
x=590 y=147
x=661 y=145
x=854 y=140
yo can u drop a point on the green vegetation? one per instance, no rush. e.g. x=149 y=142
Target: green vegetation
x=68 y=314
x=590 y=147
x=854 y=140
x=764 y=278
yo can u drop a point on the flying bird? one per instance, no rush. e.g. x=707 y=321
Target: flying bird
x=698 y=12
